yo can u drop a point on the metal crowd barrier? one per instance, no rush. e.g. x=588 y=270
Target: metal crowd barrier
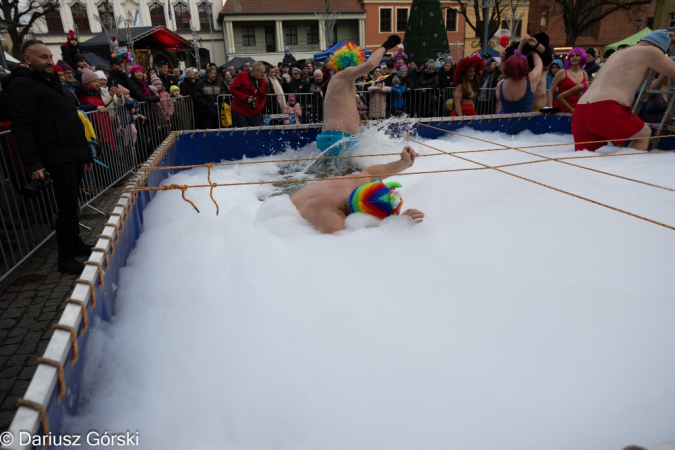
x=123 y=142
x=419 y=103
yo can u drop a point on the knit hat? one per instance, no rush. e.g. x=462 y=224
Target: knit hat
x=161 y=63
x=123 y=90
x=135 y=69
x=201 y=73
x=100 y=75
x=174 y=88
x=88 y=76
x=287 y=49
x=591 y=51
x=64 y=65
x=116 y=60
x=57 y=68
x=296 y=70
x=154 y=79
x=403 y=68
x=377 y=199
x=396 y=80
x=318 y=72
x=291 y=98
x=659 y=38
x=400 y=46
x=72 y=36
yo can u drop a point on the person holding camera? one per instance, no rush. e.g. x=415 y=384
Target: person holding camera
x=50 y=138
x=249 y=93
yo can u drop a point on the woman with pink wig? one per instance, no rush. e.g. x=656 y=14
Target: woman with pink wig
x=567 y=79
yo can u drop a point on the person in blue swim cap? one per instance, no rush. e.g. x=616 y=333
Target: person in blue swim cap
x=326 y=204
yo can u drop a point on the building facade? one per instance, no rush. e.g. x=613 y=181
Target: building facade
x=545 y=16
x=664 y=15
x=262 y=29
x=180 y=16
x=384 y=18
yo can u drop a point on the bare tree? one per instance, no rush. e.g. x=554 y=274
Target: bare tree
x=580 y=15
x=476 y=6
x=24 y=13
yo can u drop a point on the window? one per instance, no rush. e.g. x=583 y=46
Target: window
x=248 y=36
x=290 y=35
x=157 y=15
x=80 y=18
x=54 y=24
x=385 y=20
x=106 y=12
x=312 y=34
x=543 y=20
x=450 y=19
x=182 y=21
x=519 y=25
x=205 y=17
x=401 y=19
x=671 y=21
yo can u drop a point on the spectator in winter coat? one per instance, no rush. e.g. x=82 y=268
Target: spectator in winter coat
x=90 y=94
x=397 y=96
x=249 y=94
x=49 y=137
x=445 y=75
x=317 y=87
x=167 y=78
x=138 y=87
x=70 y=48
x=292 y=108
x=400 y=53
x=206 y=98
x=378 y=100
x=187 y=86
x=288 y=57
x=71 y=84
x=118 y=76
x=487 y=100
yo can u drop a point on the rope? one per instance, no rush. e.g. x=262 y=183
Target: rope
x=520 y=149
x=211 y=185
x=59 y=372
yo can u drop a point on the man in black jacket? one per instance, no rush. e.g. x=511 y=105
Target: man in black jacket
x=50 y=138
x=168 y=79
x=118 y=77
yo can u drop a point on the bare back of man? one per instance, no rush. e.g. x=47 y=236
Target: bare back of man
x=624 y=73
x=603 y=112
x=325 y=204
x=339 y=110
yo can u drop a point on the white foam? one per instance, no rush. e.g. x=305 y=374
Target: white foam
x=513 y=317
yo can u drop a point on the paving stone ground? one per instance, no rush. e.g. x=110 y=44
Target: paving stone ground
x=32 y=300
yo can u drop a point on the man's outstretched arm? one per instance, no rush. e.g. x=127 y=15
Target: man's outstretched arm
x=382 y=171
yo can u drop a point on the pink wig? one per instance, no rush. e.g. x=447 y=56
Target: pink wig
x=576 y=51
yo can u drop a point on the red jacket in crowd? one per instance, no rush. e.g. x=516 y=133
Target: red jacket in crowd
x=243 y=87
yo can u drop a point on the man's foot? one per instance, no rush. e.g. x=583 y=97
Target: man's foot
x=71 y=266
x=83 y=249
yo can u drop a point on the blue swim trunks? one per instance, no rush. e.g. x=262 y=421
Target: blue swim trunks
x=329 y=139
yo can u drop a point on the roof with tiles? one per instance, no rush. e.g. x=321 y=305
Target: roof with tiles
x=233 y=7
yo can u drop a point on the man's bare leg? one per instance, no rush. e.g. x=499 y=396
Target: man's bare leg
x=641 y=144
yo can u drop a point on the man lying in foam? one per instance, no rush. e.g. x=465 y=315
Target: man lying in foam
x=326 y=204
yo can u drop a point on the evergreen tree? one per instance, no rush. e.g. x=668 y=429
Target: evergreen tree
x=425 y=35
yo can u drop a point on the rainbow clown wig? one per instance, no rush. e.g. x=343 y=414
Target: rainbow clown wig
x=349 y=55
x=377 y=199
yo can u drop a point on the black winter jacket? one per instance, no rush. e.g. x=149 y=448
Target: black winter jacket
x=68 y=53
x=136 y=91
x=46 y=127
x=118 y=78
x=187 y=87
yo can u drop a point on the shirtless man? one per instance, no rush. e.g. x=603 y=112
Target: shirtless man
x=326 y=204
x=340 y=116
x=604 y=111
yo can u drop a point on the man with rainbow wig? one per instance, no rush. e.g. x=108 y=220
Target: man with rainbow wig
x=326 y=204
x=340 y=116
x=604 y=112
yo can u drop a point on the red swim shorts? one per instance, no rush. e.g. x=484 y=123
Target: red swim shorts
x=467 y=110
x=605 y=120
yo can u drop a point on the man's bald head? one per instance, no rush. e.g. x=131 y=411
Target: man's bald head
x=38 y=58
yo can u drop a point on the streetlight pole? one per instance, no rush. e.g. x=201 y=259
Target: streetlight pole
x=486 y=11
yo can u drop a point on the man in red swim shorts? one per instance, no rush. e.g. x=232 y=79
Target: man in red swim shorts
x=604 y=112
